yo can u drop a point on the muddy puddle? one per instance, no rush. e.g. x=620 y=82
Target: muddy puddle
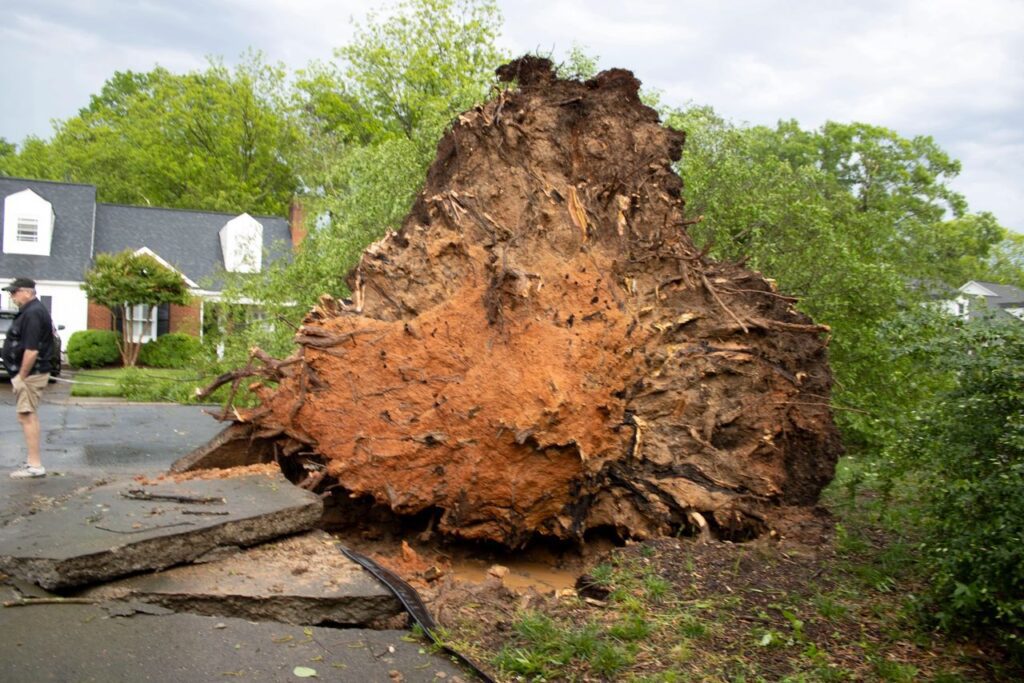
x=522 y=575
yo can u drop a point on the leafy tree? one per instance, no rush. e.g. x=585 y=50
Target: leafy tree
x=431 y=60
x=851 y=218
x=123 y=281
x=36 y=158
x=372 y=120
x=217 y=139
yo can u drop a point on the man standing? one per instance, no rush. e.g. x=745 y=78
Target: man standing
x=27 y=353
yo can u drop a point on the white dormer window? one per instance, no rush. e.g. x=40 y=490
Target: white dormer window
x=28 y=230
x=241 y=241
x=28 y=224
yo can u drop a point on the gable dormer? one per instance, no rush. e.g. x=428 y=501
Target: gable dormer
x=241 y=242
x=28 y=224
x=974 y=288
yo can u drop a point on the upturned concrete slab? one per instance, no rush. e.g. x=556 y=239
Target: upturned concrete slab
x=235 y=446
x=103 y=644
x=299 y=580
x=99 y=534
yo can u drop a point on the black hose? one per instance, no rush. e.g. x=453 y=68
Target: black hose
x=413 y=604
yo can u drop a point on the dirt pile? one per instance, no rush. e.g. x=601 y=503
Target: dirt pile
x=541 y=349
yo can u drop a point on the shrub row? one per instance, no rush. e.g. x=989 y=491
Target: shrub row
x=98 y=348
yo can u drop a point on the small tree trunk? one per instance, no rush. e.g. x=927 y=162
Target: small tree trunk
x=122 y=343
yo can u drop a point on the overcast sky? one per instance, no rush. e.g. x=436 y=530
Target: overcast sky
x=946 y=68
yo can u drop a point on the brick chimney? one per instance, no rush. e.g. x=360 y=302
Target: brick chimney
x=297 y=222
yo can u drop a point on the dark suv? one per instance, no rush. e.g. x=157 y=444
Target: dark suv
x=6 y=318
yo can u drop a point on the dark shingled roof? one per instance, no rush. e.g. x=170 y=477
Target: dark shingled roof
x=1005 y=295
x=188 y=240
x=73 y=207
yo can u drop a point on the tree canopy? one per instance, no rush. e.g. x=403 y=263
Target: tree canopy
x=856 y=220
x=216 y=139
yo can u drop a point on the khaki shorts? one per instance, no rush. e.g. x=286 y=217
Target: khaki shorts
x=27 y=392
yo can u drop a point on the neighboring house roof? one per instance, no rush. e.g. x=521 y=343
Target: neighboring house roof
x=1005 y=299
x=71 y=250
x=995 y=294
x=188 y=240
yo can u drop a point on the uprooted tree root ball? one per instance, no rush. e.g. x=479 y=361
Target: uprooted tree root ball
x=542 y=350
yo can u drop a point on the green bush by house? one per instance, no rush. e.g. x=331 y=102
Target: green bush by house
x=173 y=350
x=93 y=349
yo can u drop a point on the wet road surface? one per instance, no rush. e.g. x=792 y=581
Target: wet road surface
x=82 y=434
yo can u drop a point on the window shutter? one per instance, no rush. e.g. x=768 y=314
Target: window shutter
x=163 y=319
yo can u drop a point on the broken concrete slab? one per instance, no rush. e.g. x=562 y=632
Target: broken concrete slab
x=235 y=446
x=101 y=533
x=299 y=580
x=81 y=642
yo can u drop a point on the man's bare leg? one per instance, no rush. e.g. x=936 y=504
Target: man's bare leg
x=30 y=427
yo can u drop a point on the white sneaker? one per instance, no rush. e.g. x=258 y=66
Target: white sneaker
x=28 y=472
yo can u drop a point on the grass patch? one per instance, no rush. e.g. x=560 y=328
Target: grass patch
x=846 y=608
x=142 y=384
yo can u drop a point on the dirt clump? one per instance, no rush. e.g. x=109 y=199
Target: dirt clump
x=542 y=350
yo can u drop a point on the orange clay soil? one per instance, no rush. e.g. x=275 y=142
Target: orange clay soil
x=542 y=350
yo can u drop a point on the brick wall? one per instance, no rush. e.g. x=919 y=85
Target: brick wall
x=99 y=318
x=185 y=319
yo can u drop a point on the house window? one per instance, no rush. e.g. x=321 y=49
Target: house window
x=143 y=323
x=28 y=230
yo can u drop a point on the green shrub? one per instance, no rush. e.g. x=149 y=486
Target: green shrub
x=173 y=350
x=93 y=349
x=967 y=449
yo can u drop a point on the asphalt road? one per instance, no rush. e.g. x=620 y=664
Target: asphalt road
x=83 y=434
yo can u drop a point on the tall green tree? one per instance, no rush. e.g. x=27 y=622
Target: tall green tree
x=218 y=139
x=127 y=282
x=852 y=219
x=372 y=120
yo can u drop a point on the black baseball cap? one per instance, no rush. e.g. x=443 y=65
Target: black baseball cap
x=20 y=283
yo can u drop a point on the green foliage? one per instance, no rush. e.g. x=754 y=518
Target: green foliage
x=128 y=279
x=966 y=450
x=578 y=64
x=371 y=122
x=93 y=349
x=132 y=278
x=216 y=139
x=175 y=350
x=849 y=218
x=426 y=63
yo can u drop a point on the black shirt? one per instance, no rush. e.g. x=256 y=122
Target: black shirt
x=31 y=329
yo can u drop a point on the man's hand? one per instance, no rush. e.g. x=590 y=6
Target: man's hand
x=15 y=381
